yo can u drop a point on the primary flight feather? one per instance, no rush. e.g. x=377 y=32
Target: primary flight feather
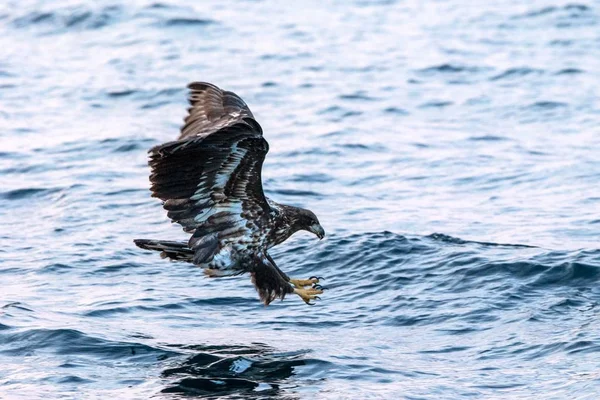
x=210 y=183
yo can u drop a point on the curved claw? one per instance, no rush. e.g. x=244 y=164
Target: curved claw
x=319 y=278
x=317 y=286
x=308 y=295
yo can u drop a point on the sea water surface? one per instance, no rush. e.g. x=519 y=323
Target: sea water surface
x=450 y=149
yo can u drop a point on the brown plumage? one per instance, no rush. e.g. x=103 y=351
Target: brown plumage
x=210 y=183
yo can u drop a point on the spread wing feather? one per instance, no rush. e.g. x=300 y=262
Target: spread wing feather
x=210 y=179
x=212 y=109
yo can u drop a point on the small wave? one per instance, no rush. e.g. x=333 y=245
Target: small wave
x=296 y=192
x=547 y=105
x=436 y=104
x=575 y=10
x=570 y=71
x=71 y=342
x=449 y=69
x=450 y=239
x=396 y=111
x=121 y=93
x=20 y=194
x=357 y=96
x=69 y=18
x=488 y=138
x=178 y=22
x=514 y=73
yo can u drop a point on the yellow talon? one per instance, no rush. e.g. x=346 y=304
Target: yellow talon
x=308 y=294
x=301 y=283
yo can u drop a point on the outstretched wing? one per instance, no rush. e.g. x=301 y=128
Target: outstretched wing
x=212 y=109
x=210 y=179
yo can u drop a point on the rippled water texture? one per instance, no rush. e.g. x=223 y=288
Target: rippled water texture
x=449 y=149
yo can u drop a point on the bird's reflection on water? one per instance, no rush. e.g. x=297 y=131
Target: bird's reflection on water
x=241 y=371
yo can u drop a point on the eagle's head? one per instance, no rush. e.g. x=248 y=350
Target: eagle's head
x=307 y=220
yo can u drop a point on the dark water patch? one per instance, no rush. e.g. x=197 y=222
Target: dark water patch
x=436 y=104
x=154 y=104
x=515 y=73
x=488 y=138
x=126 y=148
x=569 y=273
x=577 y=7
x=583 y=346
x=561 y=42
x=461 y=331
x=190 y=22
x=375 y=147
x=69 y=18
x=57 y=268
x=33 y=18
x=296 y=192
x=29 y=168
x=97 y=146
x=116 y=268
x=450 y=239
x=332 y=110
x=27 y=193
x=220 y=386
x=547 y=105
x=449 y=69
x=570 y=71
x=17 y=305
x=519 y=269
x=234 y=371
x=144 y=95
x=121 y=93
x=449 y=349
x=159 y=6
x=338 y=113
x=537 y=13
x=357 y=96
x=396 y=111
x=417 y=320
x=315 y=151
x=70 y=379
x=12 y=155
x=125 y=191
x=109 y=312
x=284 y=57
x=446 y=68
x=314 y=177
x=573 y=10
x=221 y=301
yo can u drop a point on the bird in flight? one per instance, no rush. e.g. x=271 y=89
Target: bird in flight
x=210 y=183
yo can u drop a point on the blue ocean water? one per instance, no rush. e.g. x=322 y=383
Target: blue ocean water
x=450 y=150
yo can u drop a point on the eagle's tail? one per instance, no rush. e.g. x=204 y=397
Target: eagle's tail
x=178 y=251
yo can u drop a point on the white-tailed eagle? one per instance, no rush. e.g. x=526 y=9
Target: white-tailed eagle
x=210 y=183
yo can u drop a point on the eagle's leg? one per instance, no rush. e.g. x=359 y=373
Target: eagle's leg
x=301 y=283
x=308 y=294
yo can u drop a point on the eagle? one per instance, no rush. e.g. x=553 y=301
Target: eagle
x=209 y=181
